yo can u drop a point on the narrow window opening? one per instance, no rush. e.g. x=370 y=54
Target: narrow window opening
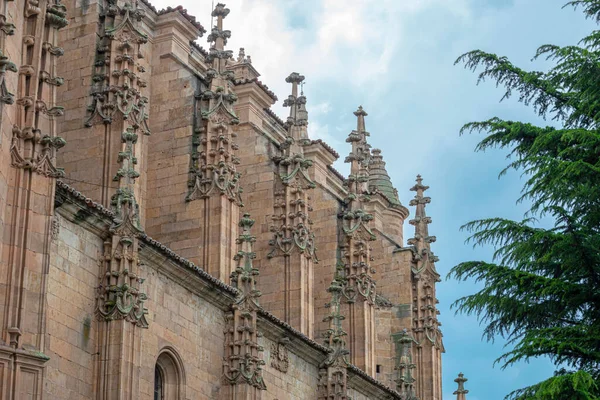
x=158 y=383
x=378 y=369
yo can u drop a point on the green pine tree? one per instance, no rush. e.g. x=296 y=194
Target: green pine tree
x=542 y=289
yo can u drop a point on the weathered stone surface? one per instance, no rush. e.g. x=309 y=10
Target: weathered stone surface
x=127 y=272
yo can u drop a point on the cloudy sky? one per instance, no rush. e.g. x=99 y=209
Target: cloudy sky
x=395 y=57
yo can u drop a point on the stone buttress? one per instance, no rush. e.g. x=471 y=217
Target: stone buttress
x=293 y=243
x=119 y=94
x=214 y=180
x=118 y=108
x=29 y=54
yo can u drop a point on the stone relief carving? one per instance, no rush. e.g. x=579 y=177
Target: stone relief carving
x=279 y=355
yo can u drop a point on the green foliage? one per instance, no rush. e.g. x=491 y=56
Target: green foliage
x=542 y=290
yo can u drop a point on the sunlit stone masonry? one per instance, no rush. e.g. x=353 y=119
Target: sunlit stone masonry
x=165 y=235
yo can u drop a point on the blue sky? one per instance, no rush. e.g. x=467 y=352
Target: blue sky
x=395 y=57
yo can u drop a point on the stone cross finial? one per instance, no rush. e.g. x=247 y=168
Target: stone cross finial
x=294 y=78
x=461 y=392
x=421 y=220
x=298 y=114
x=220 y=12
x=360 y=123
x=420 y=189
x=218 y=35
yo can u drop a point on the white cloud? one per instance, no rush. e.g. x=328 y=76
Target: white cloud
x=319 y=109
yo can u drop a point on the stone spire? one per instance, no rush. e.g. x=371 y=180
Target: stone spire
x=123 y=202
x=291 y=226
x=359 y=157
x=379 y=180
x=426 y=327
x=243 y=277
x=214 y=171
x=218 y=36
x=355 y=219
x=242 y=366
x=421 y=241
x=118 y=86
x=214 y=179
x=298 y=119
x=358 y=284
x=461 y=392
x=333 y=371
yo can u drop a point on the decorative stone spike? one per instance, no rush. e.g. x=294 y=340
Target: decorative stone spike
x=355 y=220
x=333 y=371
x=461 y=392
x=119 y=294
x=118 y=78
x=291 y=225
x=213 y=176
x=358 y=284
x=213 y=166
x=291 y=220
x=426 y=327
x=424 y=258
x=242 y=366
x=297 y=103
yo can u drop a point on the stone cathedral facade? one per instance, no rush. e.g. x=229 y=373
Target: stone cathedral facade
x=165 y=235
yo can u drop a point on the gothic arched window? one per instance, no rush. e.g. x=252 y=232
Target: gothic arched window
x=169 y=378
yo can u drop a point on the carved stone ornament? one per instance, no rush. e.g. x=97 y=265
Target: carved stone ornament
x=213 y=162
x=291 y=225
x=54 y=227
x=119 y=295
x=279 y=355
x=42 y=162
x=333 y=372
x=354 y=267
x=243 y=355
x=119 y=291
x=5 y=66
x=117 y=81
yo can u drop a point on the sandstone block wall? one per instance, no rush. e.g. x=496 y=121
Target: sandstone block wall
x=299 y=382
x=71 y=323
x=187 y=324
